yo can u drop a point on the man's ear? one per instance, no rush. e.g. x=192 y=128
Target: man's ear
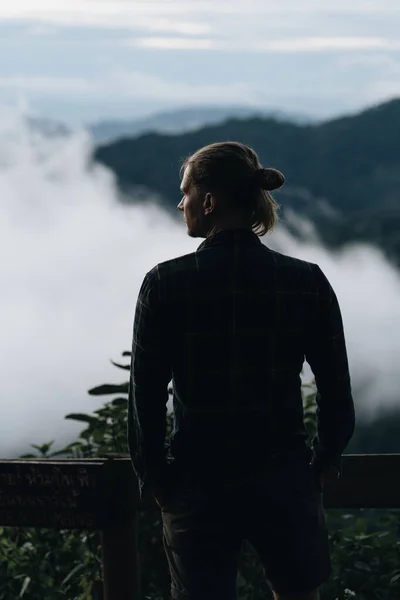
x=209 y=203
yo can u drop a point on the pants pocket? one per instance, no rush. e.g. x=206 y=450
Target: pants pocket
x=317 y=479
x=178 y=491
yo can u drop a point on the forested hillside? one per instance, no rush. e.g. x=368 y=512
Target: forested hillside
x=343 y=174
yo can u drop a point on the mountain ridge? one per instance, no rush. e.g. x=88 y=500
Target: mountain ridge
x=351 y=164
x=180 y=121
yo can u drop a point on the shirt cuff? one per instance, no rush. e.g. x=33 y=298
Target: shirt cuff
x=152 y=482
x=323 y=463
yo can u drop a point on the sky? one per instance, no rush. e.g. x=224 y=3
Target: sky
x=73 y=260
x=81 y=61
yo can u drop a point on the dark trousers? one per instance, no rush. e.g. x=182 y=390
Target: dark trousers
x=277 y=509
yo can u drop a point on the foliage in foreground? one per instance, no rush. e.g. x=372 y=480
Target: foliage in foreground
x=42 y=563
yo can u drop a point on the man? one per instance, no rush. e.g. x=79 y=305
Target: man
x=231 y=325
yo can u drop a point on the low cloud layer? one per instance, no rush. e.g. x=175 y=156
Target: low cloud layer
x=73 y=261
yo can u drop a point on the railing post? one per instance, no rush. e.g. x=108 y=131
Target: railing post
x=120 y=560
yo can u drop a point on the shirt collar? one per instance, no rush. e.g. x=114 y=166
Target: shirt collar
x=228 y=237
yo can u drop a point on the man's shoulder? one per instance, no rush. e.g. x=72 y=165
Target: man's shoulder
x=179 y=264
x=287 y=262
x=182 y=266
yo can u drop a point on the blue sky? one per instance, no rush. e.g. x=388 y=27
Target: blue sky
x=85 y=60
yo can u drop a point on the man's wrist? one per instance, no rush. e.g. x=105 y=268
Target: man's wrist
x=155 y=479
x=332 y=472
x=331 y=468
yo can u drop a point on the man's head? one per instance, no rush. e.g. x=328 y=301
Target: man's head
x=225 y=187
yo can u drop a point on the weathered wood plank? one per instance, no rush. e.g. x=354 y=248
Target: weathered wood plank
x=56 y=494
x=368 y=481
x=96 y=493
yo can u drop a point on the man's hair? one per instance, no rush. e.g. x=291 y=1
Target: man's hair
x=233 y=171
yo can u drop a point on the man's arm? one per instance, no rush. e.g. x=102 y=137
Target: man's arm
x=327 y=357
x=150 y=374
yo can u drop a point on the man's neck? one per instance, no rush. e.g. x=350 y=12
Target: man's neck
x=233 y=227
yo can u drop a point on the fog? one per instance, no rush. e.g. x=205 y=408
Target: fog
x=72 y=261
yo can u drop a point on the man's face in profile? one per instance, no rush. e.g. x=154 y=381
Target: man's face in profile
x=192 y=207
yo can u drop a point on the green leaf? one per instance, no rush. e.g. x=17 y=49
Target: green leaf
x=119 y=402
x=361 y=566
x=24 y=587
x=109 y=388
x=125 y=367
x=104 y=413
x=60 y=452
x=66 y=450
x=44 y=448
x=360 y=526
x=72 y=574
x=99 y=434
x=81 y=417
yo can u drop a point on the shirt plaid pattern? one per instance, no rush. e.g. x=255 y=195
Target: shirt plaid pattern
x=231 y=325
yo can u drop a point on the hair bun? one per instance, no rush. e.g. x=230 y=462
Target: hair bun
x=269 y=179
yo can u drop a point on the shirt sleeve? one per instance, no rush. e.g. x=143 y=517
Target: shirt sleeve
x=150 y=375
x=327 y=356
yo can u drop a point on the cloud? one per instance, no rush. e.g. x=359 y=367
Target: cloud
x=318 y=44
x=62 y=315
x=130 y=84
x=173 y=26
x=142 y=85
x=41 y=30
x=383 y=89
x=254 y=26
x=306 y=44
x=47 y=84
x=381 y=75
x=384 y=62
x=149 y=14
x=175 y=43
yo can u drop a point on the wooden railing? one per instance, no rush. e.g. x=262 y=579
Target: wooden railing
x=101 y=494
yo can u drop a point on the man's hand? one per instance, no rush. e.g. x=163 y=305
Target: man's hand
x=329 y=475
x=159 y=497
x=326 y=475
x=162 y=484
x=159 y=494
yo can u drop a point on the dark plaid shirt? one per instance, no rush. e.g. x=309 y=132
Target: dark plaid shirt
x=231 y=325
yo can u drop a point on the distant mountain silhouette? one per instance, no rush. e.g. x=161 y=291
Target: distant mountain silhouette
x=343 y=174
x=179 y=121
